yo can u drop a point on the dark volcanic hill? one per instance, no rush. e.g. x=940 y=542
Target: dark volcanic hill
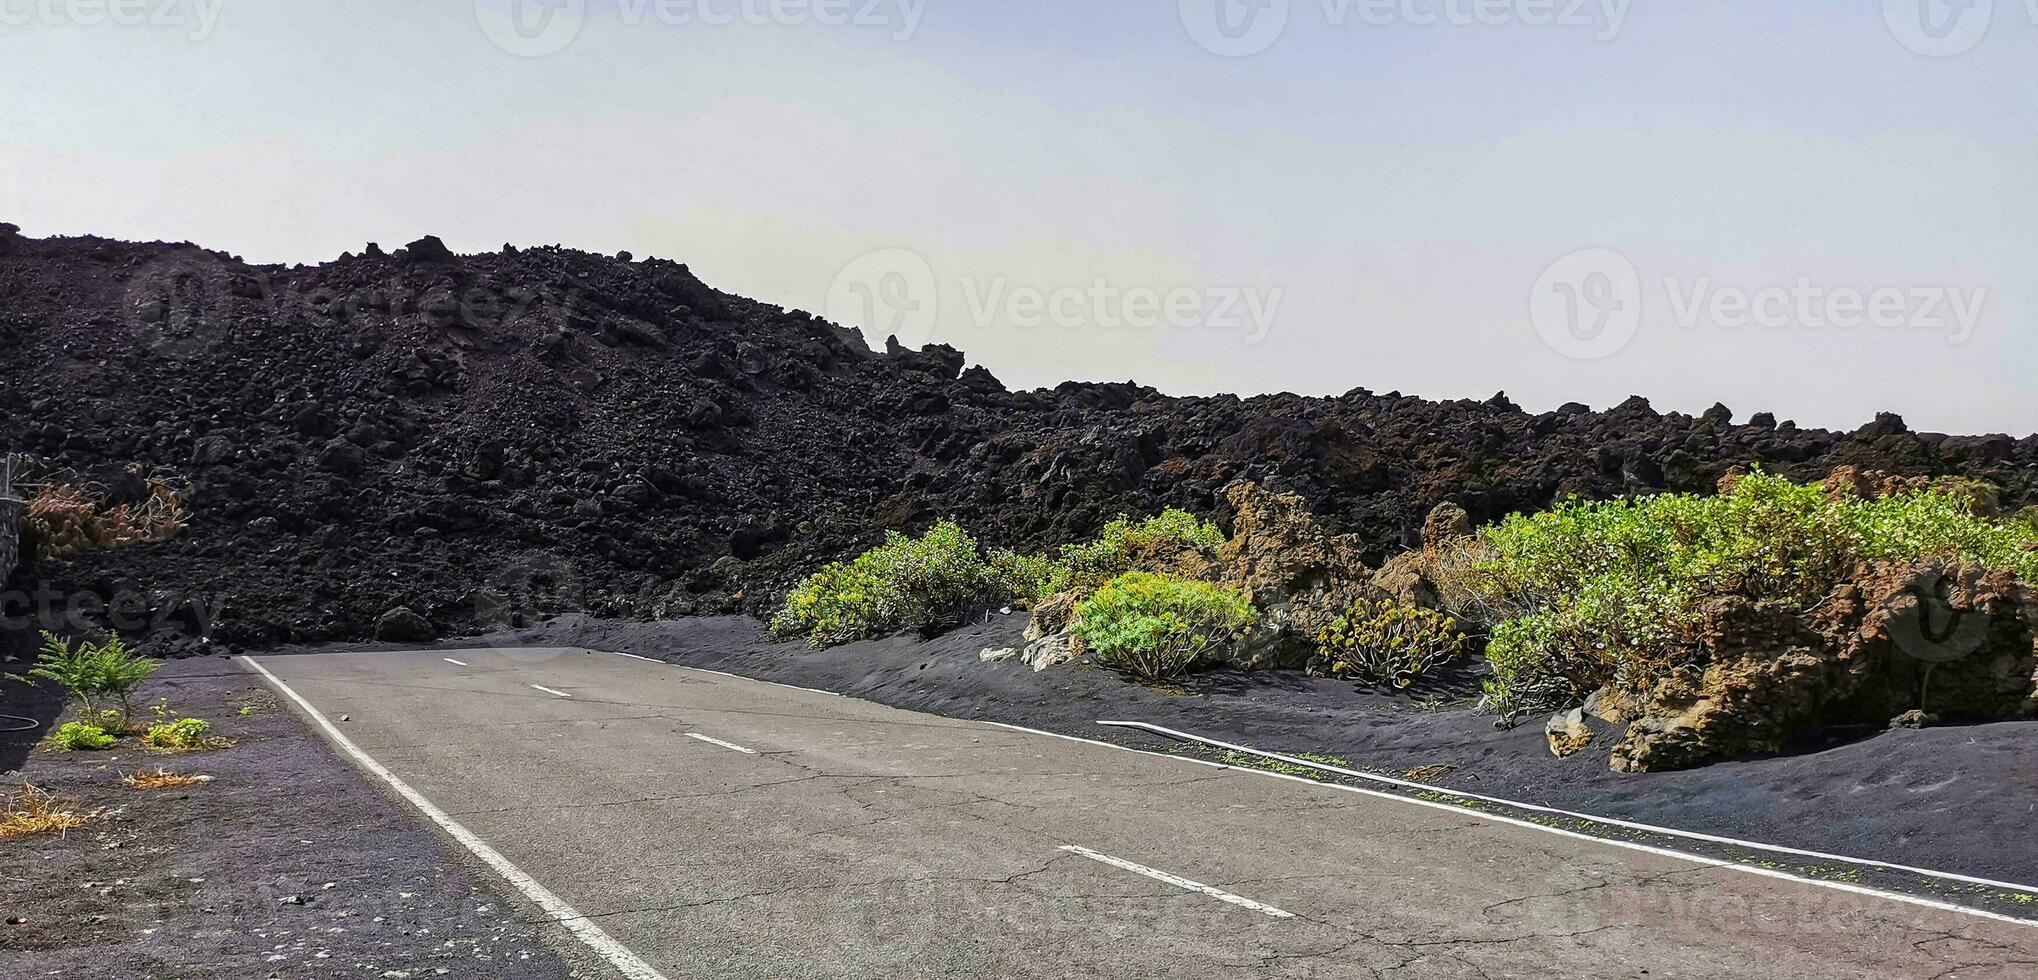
x=533 y=430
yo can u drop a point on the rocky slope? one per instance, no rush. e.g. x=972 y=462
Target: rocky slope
x=480 y=439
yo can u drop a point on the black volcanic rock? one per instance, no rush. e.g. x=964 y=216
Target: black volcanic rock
x=499 y=437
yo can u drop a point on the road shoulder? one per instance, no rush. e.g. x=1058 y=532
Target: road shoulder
x=289 y=862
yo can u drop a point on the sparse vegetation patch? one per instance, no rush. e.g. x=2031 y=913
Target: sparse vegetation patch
x=30 y=810
x=161 y=779
x=63 y=520
x=95 y=674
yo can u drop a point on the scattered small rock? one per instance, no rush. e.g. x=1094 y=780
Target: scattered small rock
x=1567 y=733
x=1914 y=719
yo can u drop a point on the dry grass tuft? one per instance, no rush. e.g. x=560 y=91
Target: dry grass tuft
x=161 y=779
x=1423 y=774
x=31 y=810
x=63 y=520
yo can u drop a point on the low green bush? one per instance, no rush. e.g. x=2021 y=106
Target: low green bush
x=1155 y=626
x=181 y=735
x=1613 y=592
x=77 y=736
x=906 y=583
x=1380 y=640
x=1027 y=579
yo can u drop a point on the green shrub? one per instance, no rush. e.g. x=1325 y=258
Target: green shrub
x=1155 y=626
x=1124 y=546
x=906 y=583
x=1027 y=579
x=1381 y=640
x=76 y=736
x=182 y=735
x=92 y=673
x=1613 y=592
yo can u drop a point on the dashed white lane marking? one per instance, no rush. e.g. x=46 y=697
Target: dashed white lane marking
x=456 y=663
x=1179 y=882
x=556 y=694
x=617 y=955
x=710 y=739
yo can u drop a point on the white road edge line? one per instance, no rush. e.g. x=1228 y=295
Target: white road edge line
x=556 y=694
x=1179 y=882
x=718 y=673
x=1609 y=821
x=716 y=741
x=1626 y=845
x=552 y=905
x=456 y=663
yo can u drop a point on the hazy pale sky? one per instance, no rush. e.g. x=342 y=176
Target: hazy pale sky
x=1820 y=208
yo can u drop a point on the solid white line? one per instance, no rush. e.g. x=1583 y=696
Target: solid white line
x=716 y=741
x=547 y=690
x=1610 y=821
x=456 y=663
x=1108 y=745
x=718 y=673
x=554 y=908
x=1179 y=882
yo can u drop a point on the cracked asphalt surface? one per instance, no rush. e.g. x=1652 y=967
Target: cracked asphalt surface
x=861 y=840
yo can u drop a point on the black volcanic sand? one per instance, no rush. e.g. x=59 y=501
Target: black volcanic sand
x=1958 y=799
x=290 y=863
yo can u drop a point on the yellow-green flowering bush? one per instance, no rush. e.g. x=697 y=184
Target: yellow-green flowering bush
x=905 y=583
x=1380 y=640
x=1156 y=626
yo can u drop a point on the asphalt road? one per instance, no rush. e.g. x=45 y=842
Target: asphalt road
x=711 y=826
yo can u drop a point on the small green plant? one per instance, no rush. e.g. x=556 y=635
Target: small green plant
x=182 y=735
x=906 y=583
x=77 y=736
x=1380 y=640
x=1156 y=626
x=93 y=673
